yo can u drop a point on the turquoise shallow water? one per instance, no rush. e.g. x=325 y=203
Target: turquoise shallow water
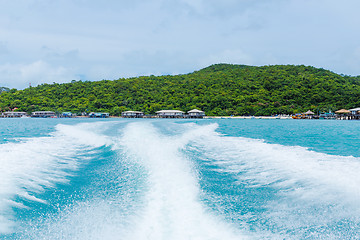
x=179 y=179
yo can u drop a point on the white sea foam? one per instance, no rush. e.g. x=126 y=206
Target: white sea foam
x=173 y=209
x=313 y=189
x=169 y=209
x=30 y=166
x=261 y=164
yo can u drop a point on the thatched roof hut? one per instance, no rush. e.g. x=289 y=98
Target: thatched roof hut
x=342 y=111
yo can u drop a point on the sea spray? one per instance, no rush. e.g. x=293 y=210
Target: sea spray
x=306 y=193
x=161 y=203
x=30 y=166
x=181 y=179
x=173 y=209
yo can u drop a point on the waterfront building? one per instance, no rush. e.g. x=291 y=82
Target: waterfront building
x=98 y=115
x=66 y=115
x=355 y=111
x=43 y=114
x=328 y=115
x=170 y=114
x=195 y=113
x=132 y=114
x=13 y=114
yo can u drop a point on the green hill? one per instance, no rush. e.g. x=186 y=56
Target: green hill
x=220 y=89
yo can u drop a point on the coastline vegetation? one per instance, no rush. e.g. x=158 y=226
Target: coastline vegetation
x=219 y=90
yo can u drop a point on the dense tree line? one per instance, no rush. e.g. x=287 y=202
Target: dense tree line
x=220 y=89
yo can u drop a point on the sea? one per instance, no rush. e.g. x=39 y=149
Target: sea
x=179 y=179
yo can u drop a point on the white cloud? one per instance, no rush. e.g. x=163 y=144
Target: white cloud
x=37 y=72
x=106 y=40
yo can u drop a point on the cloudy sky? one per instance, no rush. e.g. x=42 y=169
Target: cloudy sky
x=46 y=41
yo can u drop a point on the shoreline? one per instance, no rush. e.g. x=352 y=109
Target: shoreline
x=247 y=117
x=205 y=117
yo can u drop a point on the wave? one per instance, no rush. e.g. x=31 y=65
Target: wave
x=31 y=166
x=186 y=181
x=304 y=193
x=172 y=206
x=167 y=204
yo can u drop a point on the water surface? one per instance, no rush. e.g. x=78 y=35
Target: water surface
x=179 y=179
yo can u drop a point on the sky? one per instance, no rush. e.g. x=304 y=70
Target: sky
x=46 y=41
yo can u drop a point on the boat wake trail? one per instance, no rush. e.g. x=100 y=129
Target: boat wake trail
x=148 y=190
x=172 y=208
x=299 y=193
x=167 y=180
x=29 y=167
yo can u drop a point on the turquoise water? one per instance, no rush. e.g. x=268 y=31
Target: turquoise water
x=179 y=179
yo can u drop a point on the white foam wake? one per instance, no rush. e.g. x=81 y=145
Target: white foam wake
x=312 y=188
x=30 y=166
x=262 y=164
x=172 y=206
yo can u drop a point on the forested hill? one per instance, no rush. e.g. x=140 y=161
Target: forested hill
x=220 y=89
